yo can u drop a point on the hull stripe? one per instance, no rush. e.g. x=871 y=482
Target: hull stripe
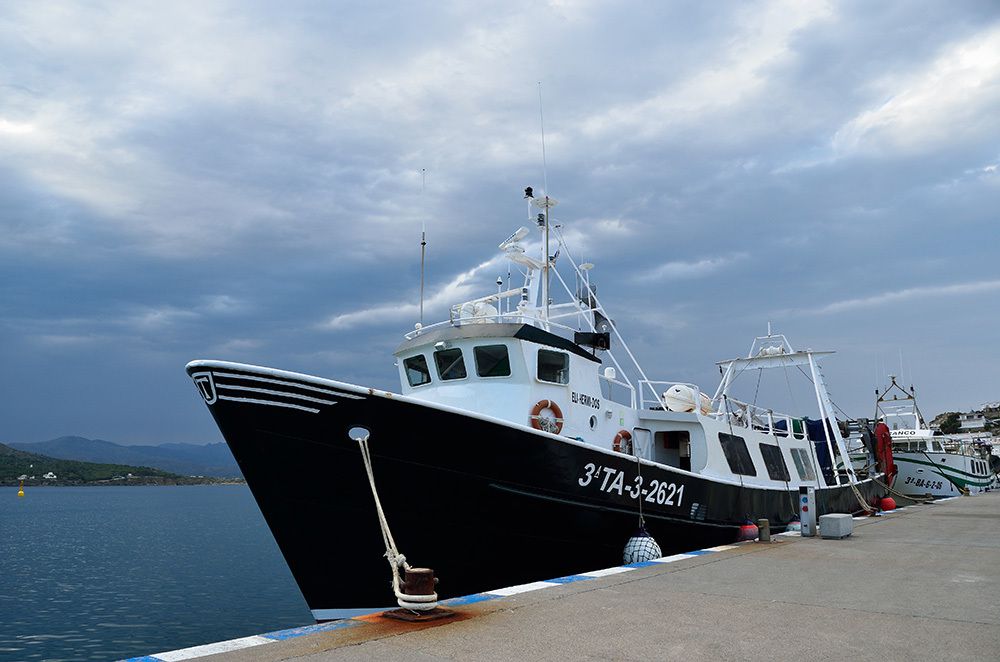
x=225 y=387
x=271 y=403
x=266 y=380
x=942 y=467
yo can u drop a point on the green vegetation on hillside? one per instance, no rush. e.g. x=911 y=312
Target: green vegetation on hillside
x=14 y=463
x=950 y=423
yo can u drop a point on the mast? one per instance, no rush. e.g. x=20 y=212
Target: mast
x=547 y=262
x=423 y=243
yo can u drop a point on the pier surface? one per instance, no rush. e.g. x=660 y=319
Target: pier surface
x=921 y=583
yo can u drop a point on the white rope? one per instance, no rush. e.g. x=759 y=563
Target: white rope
x=396 y=560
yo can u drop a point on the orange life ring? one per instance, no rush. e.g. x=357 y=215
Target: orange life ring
x=623 y=435
x=536 y=418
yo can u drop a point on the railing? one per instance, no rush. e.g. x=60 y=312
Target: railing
x=499 y=318
x=750 y=416
x=611 y=381
x=657 y=395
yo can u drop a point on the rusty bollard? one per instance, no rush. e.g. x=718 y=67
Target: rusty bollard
x=419 y=581
x=764 y=528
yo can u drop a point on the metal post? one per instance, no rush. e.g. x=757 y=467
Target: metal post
x=807 y=510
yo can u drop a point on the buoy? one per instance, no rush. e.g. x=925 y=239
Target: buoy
x=20 y=489
x=887 y=503
x=641 y=547
x=747 y=532
x=794 y=525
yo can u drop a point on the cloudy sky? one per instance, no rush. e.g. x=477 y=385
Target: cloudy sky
x=242 y=180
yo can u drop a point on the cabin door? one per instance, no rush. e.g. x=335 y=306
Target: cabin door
x=642 y=441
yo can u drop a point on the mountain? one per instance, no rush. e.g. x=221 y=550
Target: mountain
x=185 y=459
x=14 y=463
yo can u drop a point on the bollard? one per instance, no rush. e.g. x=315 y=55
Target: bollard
x=419 y=581
x=764 y=528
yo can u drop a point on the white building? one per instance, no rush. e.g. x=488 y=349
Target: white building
x=49 y=476
x=974 y=420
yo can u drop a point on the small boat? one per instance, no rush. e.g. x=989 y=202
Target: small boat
x=929 y=464
x=526 y=443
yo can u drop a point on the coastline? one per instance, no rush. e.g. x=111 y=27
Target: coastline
x=140 y=481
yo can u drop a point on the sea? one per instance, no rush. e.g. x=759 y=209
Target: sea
x=105 y=573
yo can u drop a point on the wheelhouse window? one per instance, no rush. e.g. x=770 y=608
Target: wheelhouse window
x=450 y=364
x=803 y=464
x=492 y=361
x=775 y=463
x=735 y=449
x=417 y=372
x=553 y=366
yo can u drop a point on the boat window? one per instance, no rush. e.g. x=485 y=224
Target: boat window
x=450 y=364
x=492 y=361
x=417 y=372
x=776 y=467
x=803 y=464
x=553 y=366
x=737 y=454
x=937 y=446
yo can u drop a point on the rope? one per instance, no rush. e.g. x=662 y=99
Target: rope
x=861 y=499
x=900 y=494
x=396 y=560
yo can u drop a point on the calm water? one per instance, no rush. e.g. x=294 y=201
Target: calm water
x=98 y=573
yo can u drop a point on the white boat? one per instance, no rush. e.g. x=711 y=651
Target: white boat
x=929 y=464
x=521 y=446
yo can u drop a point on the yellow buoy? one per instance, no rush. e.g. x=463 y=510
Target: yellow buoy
x=20 y=489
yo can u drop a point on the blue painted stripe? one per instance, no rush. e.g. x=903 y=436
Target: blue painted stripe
x=291 y=633
x=469 y=599
x=569 y=579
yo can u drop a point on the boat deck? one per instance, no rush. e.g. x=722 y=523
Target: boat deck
x=919 y=583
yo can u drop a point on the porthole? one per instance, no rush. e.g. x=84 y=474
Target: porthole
x=593 y=422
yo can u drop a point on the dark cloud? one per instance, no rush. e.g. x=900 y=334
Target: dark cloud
x=243 y=181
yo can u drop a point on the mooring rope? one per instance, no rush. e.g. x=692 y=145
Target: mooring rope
x=396 y=560
x=904 y=496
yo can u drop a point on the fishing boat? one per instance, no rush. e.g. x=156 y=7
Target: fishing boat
x=526 y=442
x=929 y=464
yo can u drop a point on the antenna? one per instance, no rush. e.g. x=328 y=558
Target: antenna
x=901 y=378
x=545 y=183
x=541 y=122
x=423 y=241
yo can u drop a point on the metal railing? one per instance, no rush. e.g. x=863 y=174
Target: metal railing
x=611 y=381
x=750 y=416
x=658 y=395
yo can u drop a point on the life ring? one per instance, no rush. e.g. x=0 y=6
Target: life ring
x=622 y=442
x=536 y=416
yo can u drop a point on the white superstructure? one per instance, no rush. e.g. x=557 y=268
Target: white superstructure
x=939 y=466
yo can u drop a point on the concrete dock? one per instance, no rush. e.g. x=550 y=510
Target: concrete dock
x=922 y=583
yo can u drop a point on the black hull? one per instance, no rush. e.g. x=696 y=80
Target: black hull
x=486 y=504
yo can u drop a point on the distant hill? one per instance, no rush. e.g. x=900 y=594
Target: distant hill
x=14 y=463
x=185 y=459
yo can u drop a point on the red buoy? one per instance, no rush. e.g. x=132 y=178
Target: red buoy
x=748 y=532
x=887 y=503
